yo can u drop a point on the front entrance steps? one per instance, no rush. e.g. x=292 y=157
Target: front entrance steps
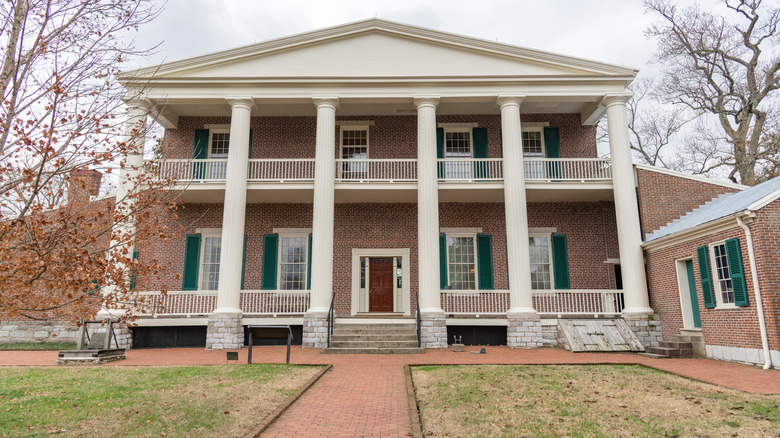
x=378 y=336
x=688 y=343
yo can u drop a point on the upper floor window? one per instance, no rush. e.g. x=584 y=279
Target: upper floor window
x=533 y=147
x=354 y=146
x=219 y=146
x=458 y=144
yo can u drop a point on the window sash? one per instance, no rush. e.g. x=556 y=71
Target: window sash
x=219 y=147
x=722 y=274
x=354 y=146
x=541 y=262
x=461 y=262
x=293 y=262
x=210 y=262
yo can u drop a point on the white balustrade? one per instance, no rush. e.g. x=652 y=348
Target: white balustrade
x=470 y=169
x=568 y=169
x=176 y=303
x=186 y=170
x=281 y=169
x=376 y=170
x=545 y=302
x=274 y=302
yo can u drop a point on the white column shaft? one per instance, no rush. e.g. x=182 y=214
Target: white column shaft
x=322 y=221
x=234 y=213
x=632 y=264
x=427 y=206
x=516 y=211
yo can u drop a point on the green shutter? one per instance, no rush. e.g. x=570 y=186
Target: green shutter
x=132 y=273
x=560 y=256
x=443 y=261
x=737 y=271
x=552 y=148
x=501 y=136
x=308 y=268
x=440 y=151
x=692 y=292
x=191 y=262
x=270 y=253
x=250 y=143
x=706 y=276
x=485 y=261
x=480 y=143
x=201 y=152
x=243 y=264
x=506 y=253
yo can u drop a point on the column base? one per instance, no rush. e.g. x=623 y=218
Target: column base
x=433 y=332
x=315 y=330
x=524 y=330
x=224 y=332
x=647 y=328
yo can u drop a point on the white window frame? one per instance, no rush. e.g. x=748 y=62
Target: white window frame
x=473 y=236
x=540 y=130
x=549 y=256
x=282 y=236
x=209 y=233
x=469 y=130
x=343 y=128
x=716 y=286
x=211 y=139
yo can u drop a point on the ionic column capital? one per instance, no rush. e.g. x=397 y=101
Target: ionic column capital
x=510 y=100
x=426 y=101
x=245 y=102
x=330 y=101
x=611 y=99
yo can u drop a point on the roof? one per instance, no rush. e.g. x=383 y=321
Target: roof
x=729 y=204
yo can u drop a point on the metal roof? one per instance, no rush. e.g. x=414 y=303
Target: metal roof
x=722 y=206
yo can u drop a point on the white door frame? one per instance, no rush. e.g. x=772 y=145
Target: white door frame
x=686 y=307
x=401 y=297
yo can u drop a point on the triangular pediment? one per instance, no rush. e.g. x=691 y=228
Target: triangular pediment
x=381 y=49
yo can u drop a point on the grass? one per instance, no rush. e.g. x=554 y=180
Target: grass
x=39 y=346
x=204 y=401
x=584 y=401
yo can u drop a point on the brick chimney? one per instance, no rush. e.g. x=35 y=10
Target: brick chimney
x=82 y=185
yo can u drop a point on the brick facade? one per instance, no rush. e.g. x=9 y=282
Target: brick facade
x=663 y=198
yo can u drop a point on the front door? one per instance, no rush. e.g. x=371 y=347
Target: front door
x=380 y=290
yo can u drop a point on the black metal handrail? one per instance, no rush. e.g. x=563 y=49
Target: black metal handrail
x=419 y=321
x=331 y=317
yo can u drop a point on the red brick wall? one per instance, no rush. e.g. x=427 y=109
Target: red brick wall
x=389 y=137
x=663 y=198
x=725 y=327
x=766 y=241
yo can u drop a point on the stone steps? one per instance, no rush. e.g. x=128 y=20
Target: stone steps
x=373 y=350
x=374 y=338
x=687 y=344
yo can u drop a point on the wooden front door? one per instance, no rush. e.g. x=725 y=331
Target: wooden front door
x=380 y=284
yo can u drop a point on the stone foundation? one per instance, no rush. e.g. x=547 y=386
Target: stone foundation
x=647 y=329
x=524 y=331
x=315 y=330
x=433 y=331
x=551 y=336
x=123 y=335
x=224 y=332
x=37 y=331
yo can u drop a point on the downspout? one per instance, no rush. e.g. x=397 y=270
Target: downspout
x=759 y=303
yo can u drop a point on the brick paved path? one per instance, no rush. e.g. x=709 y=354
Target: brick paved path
x=364 y=395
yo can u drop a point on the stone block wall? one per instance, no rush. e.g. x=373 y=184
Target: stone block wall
x=37 y=331
x=224 y=332
x=315 y=330
x=433 y=332
x=646 y=328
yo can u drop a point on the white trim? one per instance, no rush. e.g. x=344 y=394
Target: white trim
x=533 y=125
x=549 y=256
x=281 y=237
x=292 y=231
x=542 y=230
x=474 y=230
x=457 y=125
x=402 y=300
x=216 y=232
x=712 y=227
x=612 y=261
x=217 y=126
x=699 y=178
x=473 y=237
x=716 y=287
x=208 y=231
x=683 y=286
x=533 y=128
x=763 y=202
x=501 y=322
x=354 y=122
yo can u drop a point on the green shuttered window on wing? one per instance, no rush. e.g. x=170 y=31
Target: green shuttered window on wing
x=270 y=261
x=485 y=261
x=737 y=271
x=560 y=258
x=480 y=143
x=706 y=276
x=440 y=152
x=552 y=149
x=443 y=281
x=191 y=262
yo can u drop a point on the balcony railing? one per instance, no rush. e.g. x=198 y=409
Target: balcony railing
x=201 y=303
x=388 y=170
x=568 y=169
x=376 y=170
x=546 y=302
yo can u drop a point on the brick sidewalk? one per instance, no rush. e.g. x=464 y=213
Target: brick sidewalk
x=364 y=395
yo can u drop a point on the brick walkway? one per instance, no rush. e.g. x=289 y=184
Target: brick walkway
x=364 y=395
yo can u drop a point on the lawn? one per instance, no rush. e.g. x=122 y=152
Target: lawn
x=39 y=346
x=205 y=401
x=585 y=401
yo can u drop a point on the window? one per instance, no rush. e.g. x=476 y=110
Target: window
x=724 y=291
x=541 y=262
x=293 y=261
x=218 y=149
x=533 y=147
x=457 y=144
x=461 y=265
x=210 y=258
x=354 y=146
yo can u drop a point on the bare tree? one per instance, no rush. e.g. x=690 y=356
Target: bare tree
x=726 y=68
x=62 y=112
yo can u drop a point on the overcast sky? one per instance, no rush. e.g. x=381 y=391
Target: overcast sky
x=602 y=30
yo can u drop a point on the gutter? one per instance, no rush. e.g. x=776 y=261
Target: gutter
x=756 y=289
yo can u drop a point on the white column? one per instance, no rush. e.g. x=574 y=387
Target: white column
x=234 y=208
x=516 y=211
x=427 y=206
x=632 y=263
x=322 y=221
